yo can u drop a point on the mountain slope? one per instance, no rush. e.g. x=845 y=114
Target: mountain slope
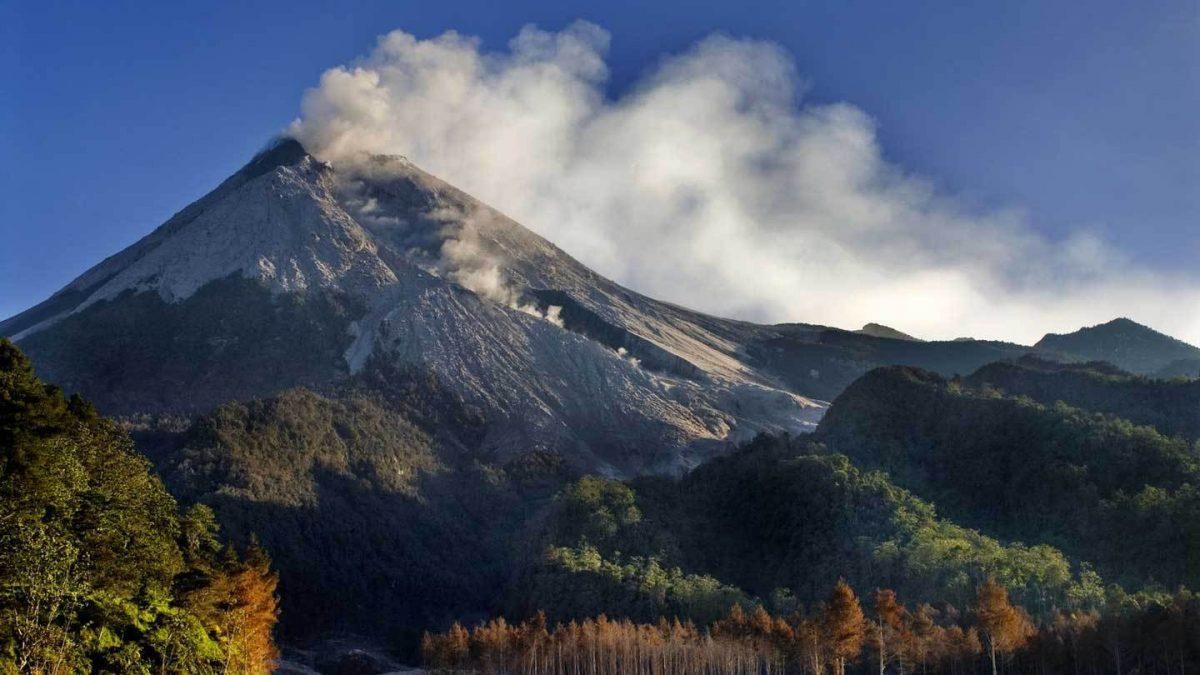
x=1102 y=489
x=297 y=273
x=1128 y=345
x=1170 y=406
x=382 y=523
x=823 y=361
x=777 y=521
x=381 y=520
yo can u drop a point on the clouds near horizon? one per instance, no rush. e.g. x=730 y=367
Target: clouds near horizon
x=714 y=183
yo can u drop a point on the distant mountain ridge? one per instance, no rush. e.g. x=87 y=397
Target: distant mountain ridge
x=881 y=331
x=1128 y=345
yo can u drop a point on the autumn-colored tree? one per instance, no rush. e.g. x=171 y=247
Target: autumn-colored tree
x=808 y=645
x=843 y=626
x=889 y=627
x=450 y=651
x=761 y=623
x=922 y=636
x=1004 y=626
x=1151 y=632
x=734 y=625
x=959 y=646
x=250 y=614
x=1066 y=633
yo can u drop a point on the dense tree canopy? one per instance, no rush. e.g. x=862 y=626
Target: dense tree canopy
x=99 y=570
x=779 y=520
x=1172 y=406
x=1098 y=487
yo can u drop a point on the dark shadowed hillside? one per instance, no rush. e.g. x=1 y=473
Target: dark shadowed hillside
x=1101 y=488
x=1171 y=406
x=381 y=518
x=824 y=361
x=1128 y=345
x=777 y=522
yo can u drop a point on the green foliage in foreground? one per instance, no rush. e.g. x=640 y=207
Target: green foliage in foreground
x=99 y=571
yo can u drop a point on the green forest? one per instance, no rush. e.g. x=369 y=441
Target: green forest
x=101 y=570
x=1030 y=518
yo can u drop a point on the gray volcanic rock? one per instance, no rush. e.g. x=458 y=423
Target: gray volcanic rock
x=295 y=272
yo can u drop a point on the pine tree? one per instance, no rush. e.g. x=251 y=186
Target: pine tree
x=253 y=614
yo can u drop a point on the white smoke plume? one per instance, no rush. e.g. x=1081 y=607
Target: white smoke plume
x=464 y=260
x=713 y=183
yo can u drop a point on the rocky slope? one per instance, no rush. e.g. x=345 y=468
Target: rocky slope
x=294 y=272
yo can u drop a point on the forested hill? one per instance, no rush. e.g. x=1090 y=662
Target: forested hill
x=1170 y=405
x=387 y=517
x=100 y=569
x=1129 y=345
x=759 y=555
x=456 y=533
x=777 y=522
x=1101 y=488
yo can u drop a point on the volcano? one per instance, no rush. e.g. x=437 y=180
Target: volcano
x=295 y=272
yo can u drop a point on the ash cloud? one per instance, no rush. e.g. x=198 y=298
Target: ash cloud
x=713 y=183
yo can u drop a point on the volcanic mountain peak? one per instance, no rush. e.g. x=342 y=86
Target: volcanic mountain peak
x=277 y=221
x=296 y=272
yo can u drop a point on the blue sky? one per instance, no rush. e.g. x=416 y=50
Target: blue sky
x=115 y=115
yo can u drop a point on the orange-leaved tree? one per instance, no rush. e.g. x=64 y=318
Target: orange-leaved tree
x=843 y=626
x=1004 y=626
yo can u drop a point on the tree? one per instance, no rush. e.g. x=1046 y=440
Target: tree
x=1004 y=626
x=843 y=626
x=889 y=627
x=252 y=615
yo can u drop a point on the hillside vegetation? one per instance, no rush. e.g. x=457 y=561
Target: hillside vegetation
x=1172 y=406
x=100 y=570
x=780 y=520
x=380 y=520
x=382 y=527
x=1099 y=487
